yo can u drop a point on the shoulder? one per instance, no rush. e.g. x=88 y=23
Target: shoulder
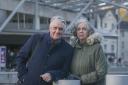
x=39 y=35
x=67 y=45
x=69 y=50
x=35 y=35
x=96 y=46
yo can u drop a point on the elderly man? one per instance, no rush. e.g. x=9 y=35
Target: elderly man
x=45 y=57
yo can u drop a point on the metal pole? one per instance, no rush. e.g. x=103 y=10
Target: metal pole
x=11 y=15
x=24 y=21
x=18 y=21
x=37 y=18
x=68 y=29
x=115 y=4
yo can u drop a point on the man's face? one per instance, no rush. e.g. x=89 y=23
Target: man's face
x=56 y=29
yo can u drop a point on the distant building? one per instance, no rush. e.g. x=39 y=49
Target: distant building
x=106 y=25
x=115 y=34
x=123 y=40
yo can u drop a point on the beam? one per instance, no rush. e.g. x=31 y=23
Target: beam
x=11 y=15
x=37 y=17
x=115 y=4
x=29 y=8
x=69 y=28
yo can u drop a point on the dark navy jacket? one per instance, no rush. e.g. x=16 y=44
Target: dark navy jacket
x=37 y=57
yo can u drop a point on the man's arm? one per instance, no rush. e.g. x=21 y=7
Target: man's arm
x=63 y=72
x=23 y=56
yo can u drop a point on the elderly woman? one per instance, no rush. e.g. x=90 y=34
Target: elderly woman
x=89 y=62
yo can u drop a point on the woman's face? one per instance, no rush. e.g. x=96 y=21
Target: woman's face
x=82 y=32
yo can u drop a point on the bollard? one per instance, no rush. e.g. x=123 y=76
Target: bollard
x=117 y=80
x=67 y=82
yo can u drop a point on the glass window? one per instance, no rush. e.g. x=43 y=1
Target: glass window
x=112 y=48
x=105 y=25
x=122 y=33
x=44 y=20
x=113 y=26
x=105 y=47
x=122 y=45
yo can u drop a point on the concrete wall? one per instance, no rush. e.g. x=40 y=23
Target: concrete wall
x=116 y=79
x=8 y=78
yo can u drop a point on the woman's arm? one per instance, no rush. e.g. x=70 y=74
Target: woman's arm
x=100 y=68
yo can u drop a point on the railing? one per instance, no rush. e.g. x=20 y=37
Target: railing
x=10 y=78
x=22 y=26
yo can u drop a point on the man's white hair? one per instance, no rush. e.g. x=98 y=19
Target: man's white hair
x=58 y=18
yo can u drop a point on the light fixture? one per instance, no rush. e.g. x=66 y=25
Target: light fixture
x=125 y=3
x=102 y=4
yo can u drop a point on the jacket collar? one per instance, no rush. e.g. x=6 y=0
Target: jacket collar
x=78 y=45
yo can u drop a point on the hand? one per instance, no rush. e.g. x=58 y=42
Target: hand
x=46 y=77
